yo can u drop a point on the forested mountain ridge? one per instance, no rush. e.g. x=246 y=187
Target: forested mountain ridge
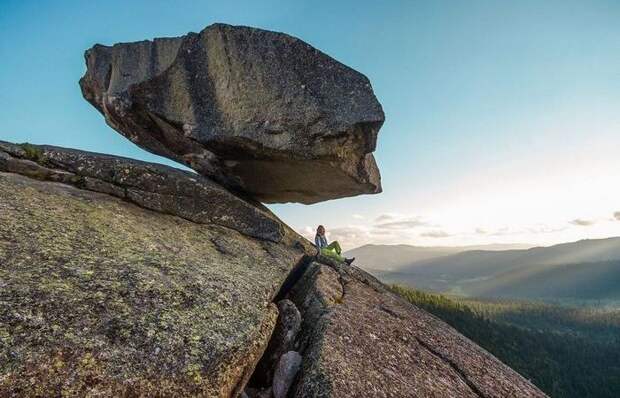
x=395 y=257
x=583 y=270
x=566 y=351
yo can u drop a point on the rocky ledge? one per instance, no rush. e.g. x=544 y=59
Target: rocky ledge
x=360 y=339
x=257 y=111
x=150 y=185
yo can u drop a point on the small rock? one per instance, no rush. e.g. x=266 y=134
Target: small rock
x=249 y=392
x=285 y=373
x=289 y=323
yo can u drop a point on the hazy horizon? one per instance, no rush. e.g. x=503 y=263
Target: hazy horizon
x=501 y=118
x=489 y=246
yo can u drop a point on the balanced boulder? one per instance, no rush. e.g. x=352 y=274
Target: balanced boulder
x=260 y=112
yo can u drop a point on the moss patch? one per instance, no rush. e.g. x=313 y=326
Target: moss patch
x=34 y=153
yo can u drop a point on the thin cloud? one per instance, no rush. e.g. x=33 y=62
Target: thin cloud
x=435 y=234
x=545 y=229
x=582 y=222
x=385 y=232
x=533 y=229
x=308 y=232
x=404 y=224
x=481 y=231
x=351 y=236
x=385 y=218
x=358 y=216
x=617 y=215
x=503 y=231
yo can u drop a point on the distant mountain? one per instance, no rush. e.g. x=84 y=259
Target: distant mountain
x=580 y=281
x=395 y=257
x=587 y=269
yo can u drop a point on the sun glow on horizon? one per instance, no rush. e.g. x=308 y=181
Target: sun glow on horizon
x=542 y=199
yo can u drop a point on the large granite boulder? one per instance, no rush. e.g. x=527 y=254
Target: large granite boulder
x=260 y=112
x=103 y=297
x=359 y=339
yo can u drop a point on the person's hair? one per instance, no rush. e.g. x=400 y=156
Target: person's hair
x=319 y=228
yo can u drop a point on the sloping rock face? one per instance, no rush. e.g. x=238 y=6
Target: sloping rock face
x=360 y=340
x=259 y=112
x=103 y=297
x=153 y=186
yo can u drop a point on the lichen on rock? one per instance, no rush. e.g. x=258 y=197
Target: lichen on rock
x=360 y=339
x=150 y=185
x=99 y=296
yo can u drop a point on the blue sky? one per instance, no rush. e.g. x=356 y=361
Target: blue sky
x=503 y=121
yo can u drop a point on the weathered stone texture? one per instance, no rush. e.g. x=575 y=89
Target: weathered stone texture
x=359 y=339
x=150 y=185
x=282 y=340
x=260 y=112
x=100 y=297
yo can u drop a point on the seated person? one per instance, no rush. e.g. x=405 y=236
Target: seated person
x=331 y=250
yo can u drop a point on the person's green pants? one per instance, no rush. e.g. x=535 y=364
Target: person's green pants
x=333 y=250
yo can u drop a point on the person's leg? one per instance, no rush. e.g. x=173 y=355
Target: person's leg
x=331 y=253
x=336 y=246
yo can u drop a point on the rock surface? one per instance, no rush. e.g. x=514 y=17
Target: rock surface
x=101 y=297
x=287 y=369
x=153 y=186
x=258 y=111
x=359 y=339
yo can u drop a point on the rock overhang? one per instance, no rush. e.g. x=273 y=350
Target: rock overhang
x=260 y=112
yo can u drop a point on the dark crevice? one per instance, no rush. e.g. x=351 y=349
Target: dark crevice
x=293 y=277
x=343 y=285
x=108 y=78
x=263 y=373
x=454 y=367
x=390 y=311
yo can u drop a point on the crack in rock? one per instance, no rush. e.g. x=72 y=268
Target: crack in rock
x=454 y=367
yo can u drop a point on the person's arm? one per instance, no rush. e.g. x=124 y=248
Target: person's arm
x=317 y=241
